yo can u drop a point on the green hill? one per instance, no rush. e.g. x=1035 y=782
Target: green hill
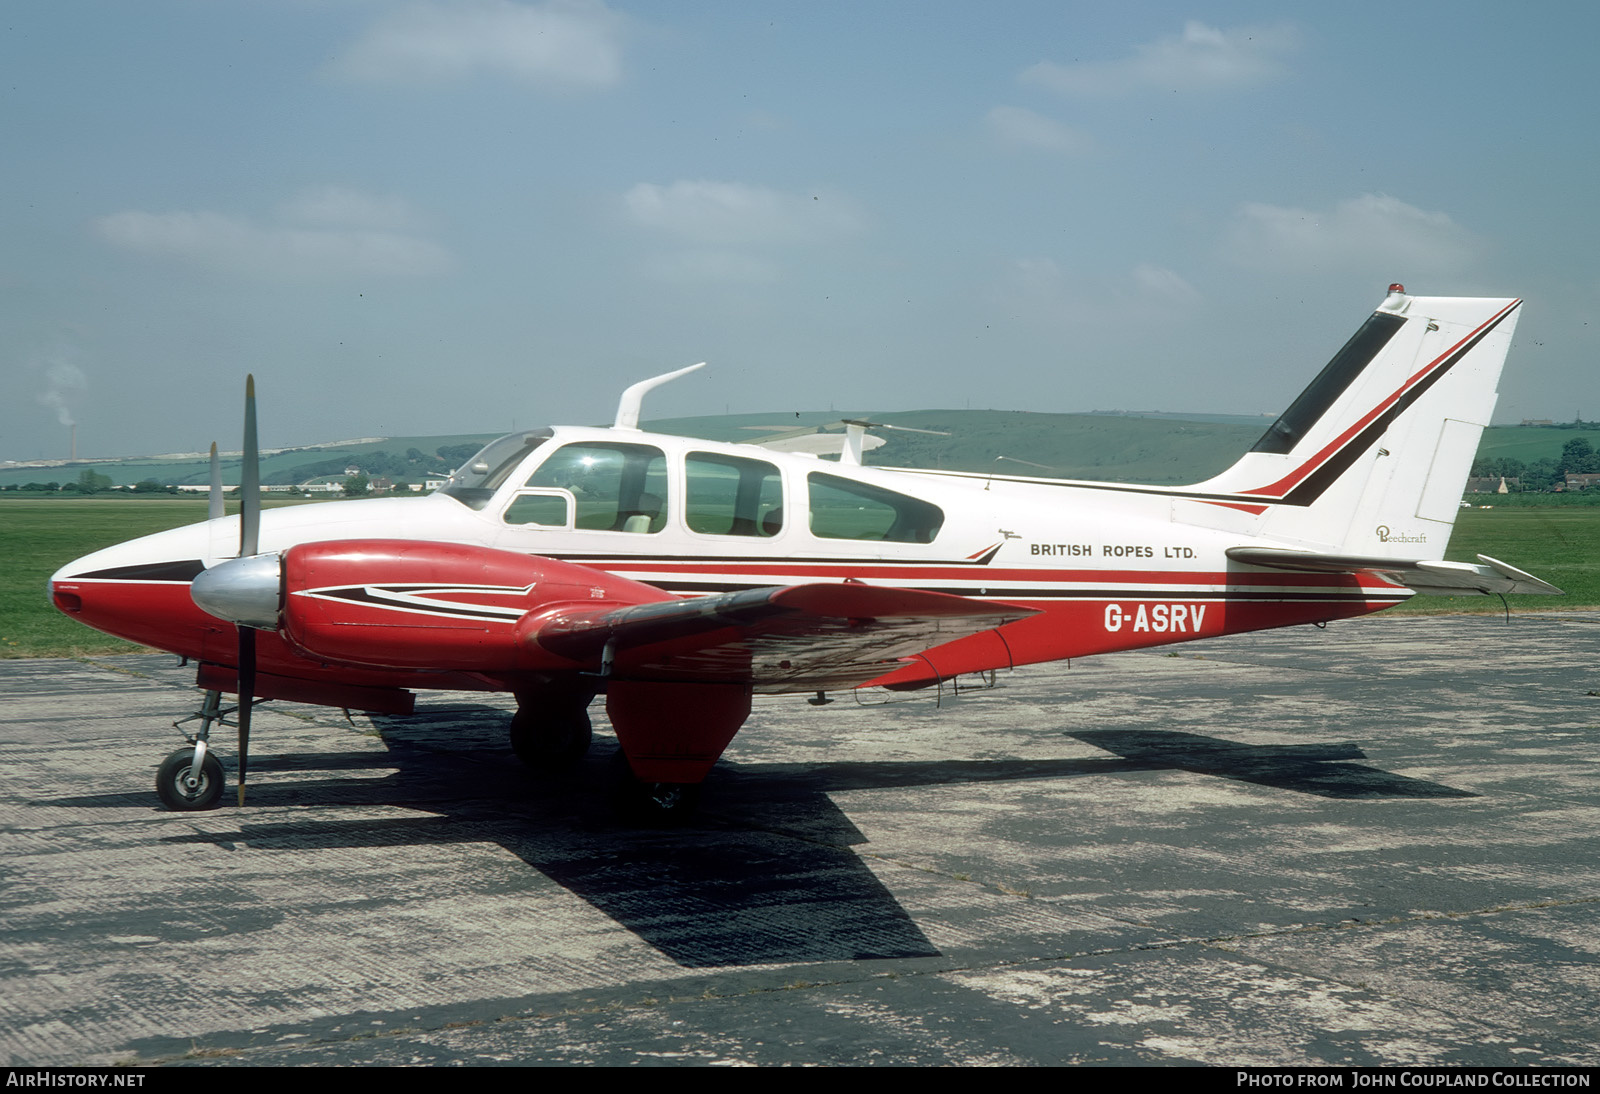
x=1161 y=449
x=1533 y=442
x=1117 y=448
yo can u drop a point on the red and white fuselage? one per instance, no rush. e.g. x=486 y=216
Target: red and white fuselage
x=1368 y=465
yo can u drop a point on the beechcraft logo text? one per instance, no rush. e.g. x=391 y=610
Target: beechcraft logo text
x=1387 y=536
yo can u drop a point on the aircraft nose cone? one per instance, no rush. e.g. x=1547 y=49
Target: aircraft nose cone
x=247 y=591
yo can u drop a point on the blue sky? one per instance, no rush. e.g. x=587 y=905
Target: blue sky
x=439 y=217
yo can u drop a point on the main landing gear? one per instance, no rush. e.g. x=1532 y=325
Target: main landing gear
x=654 y=805
x=550 y=730
x=191 y=778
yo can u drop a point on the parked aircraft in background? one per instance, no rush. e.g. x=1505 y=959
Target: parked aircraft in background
x=679 y=577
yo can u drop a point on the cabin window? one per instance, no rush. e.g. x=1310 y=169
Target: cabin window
x=845 y=509
x=476 y=481
x=1333 y=381
x=550 y=509
x=616 y=487
x=732 y=496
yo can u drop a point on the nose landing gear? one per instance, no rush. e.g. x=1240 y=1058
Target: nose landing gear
x=182 y=787
x=191 y=778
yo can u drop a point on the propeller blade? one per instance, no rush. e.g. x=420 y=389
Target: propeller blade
x=247 y=695
x=214 y=499
x=249 y=544
x=250 y=478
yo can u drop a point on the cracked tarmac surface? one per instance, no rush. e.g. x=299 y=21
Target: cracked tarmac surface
x=1370 y=844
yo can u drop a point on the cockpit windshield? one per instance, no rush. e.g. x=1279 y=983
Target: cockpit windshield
x=475 y=482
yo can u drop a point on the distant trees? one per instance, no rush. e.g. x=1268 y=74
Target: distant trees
x=1578 y=457
x=89 y=482
x=357 y=485
x=1537 y=475
x=456 y=454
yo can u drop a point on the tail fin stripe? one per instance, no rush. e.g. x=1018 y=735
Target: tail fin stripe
x=1334 y=379
x=1307 y=482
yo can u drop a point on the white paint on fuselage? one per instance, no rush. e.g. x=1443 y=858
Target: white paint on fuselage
x=1100 y=529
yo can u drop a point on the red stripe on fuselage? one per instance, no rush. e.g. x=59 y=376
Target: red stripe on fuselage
x=161 y=614
x=905 y=573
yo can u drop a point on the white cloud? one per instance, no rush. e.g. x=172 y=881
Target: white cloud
x=1373 y=233
x=733 y=214
x=1159 y=285
x=1039 y=290
x=564 y=43
x=1017 y=126
x=1202 y=58
x=727 y=231
x=350 y=234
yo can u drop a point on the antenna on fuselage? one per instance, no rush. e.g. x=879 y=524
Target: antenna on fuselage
x=633 y=398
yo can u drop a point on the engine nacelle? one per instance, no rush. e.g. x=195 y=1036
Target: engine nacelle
x=409 y=604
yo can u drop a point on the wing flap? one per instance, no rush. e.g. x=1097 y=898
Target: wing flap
x=783 y=638
x=1431 y=577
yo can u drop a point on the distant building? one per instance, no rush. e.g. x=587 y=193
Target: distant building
x=1537 y=421
x=1582 y=481
x=1493 y=484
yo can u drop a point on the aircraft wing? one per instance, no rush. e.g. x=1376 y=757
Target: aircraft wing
x=786 y=638
x=1433 y=577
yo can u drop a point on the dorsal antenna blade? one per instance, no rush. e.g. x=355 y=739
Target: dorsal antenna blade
x=633 y=398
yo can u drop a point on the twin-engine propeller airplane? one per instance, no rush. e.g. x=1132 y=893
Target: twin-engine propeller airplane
x=678 y=577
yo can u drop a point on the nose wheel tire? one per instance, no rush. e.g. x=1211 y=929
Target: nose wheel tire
x=183 y=790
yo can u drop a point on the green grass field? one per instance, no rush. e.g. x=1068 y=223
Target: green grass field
x=1560 y=545
x=39 y=536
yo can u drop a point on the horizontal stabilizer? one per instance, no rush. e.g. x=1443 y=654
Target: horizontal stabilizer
x=1433 y=577
x=784 y=638
x=815 y=444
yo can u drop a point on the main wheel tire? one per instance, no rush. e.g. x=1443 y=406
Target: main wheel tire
x=181 y=793
x=551 y=738
x=654 y=805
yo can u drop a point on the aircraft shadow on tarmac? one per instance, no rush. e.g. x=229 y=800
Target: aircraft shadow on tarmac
x=766 y=876
x=1308 y=769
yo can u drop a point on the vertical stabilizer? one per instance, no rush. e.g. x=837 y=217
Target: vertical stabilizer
x=1372 y=457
